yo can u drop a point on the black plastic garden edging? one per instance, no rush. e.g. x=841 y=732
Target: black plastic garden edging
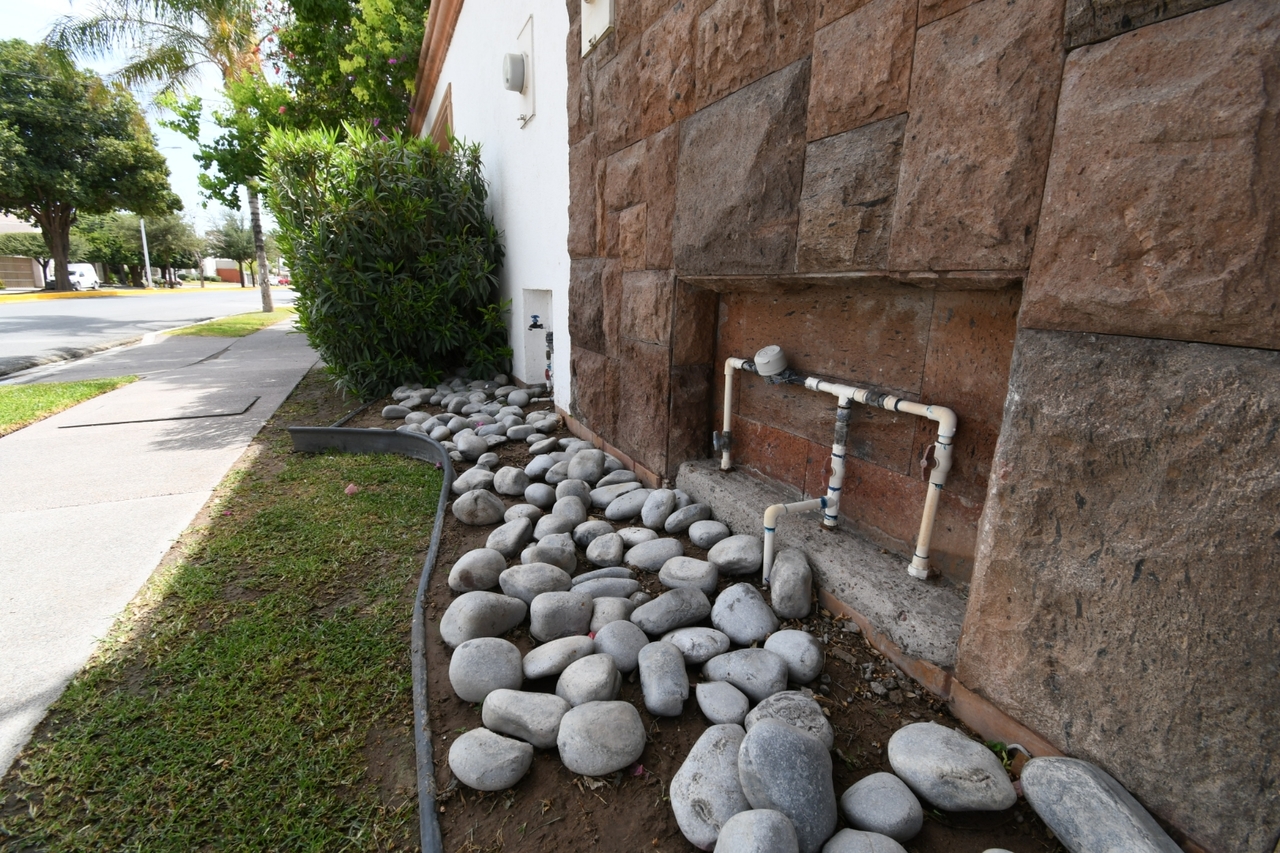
x=416 y=446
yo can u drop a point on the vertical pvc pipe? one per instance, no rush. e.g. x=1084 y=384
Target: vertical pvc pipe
x=730 y=365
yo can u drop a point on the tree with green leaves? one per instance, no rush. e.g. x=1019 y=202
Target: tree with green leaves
x=231 y=240
x=84 y=148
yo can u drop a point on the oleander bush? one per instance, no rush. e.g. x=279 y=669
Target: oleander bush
x=392 y=254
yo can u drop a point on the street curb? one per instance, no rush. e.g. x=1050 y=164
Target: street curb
x=19 y=363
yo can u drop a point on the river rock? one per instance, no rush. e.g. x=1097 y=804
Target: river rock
x=608 y=572
x=674 y=609
x=705 y=792
x=587 y=465
x=721 y=702
x=551 y=658
x=599 y=738
x=538 y=466
x=705 y=534
x=550 y=525
x=606 y=610
x=591 y=530
x=605 y=550
x=789 y=770
x=633 y=536
x=558 y=473
x=480 y=666
x=855 y=841
x=579 y=489
x=526 y=582
x=640 y=597
x=392 y=413
x=737 y=555
x=511 y=481
x=759 y=673
x=470 y=446
x=475 y=478
x=1089 y=810
x=759 y=831
x=553 y=615
x=615 y=477
x=556 y=549
x=487 y=761
x=528 y=511
x=540 y=495
x=688 y=571
x=627 y=506
x=950 y=770
x=795 y=709
x=570 y=507
x=508 y=539
x=663 y=679
x=650 y=556
x=595 y=678
x=608 y=587
x=883 y=803
x=488 y=460
x=682 y=519
x=698 y=645
x=480 y=614
x=791 y=584
x=477 y=569
x=660 y=504
x=802 y=652
x=479 y=508
x=440 y=433
x=532 y=717
x=519 y=397
x=602 y=496
x=742 y=613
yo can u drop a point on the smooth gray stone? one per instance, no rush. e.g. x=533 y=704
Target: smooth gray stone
x=759 y=673
x=633 y=536
x=572 y=444
x=440 y=433
x=615 y=477
x=559 y=456
x=550 y=525
x=611 y=464
x=663 y=679
x=628 y=506
x=530 y=555
x=532 y=717
x=457 y=425
x=610 y=572
x=737 y=555
x=600 y=738
x=477 y=569
x=671 y=610
x=518 y=397
x=471 y=446
x=551 y=658
x=594 y=678
x=855 y=841
x=742 y=613
x=492 y=441
x=553 y=615
x=480 y=666
x=602 y=496
x=605 y=551
x=682 y=499
x=608 y=587
x=801 y=650
x=456 y=405
x=510 y=537
x=570 y=507
x=488 y=460
x=698 y=645
x=950 y=770
x=587 y=465
x=705 y=792
x=607 y=610
x=538 y=466
x=528 y=511
x=540 y=444
x=795 y=709
x=479 y=507
x=487 y=761
x=589 y=531
x=558 y=550
x=510 y=481
x=705 y=534
x=527 y=582
x=492 y=429
x=540 y=495
x=520 y=433
x=758 y=831
x=682 y=519
x=660 y=504
x=1088 y=810
x=621 y=641
x=412 y=428
x=650 y=556
x=558 y=474
x=688 y=571
x=791 y=584
x=579 y=489
x=883 y=803
x=721 y=702
x=418 y=417
x=480 y=614
x=392 y=413
x=639 y=598
x=471 y=479
x=789 y=770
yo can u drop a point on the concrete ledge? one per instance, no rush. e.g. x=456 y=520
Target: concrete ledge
x=922 y=618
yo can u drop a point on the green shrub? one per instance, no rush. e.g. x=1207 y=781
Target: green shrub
x=393 y=256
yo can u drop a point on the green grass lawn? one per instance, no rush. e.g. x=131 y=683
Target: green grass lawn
x=21 y=405
x=258 y=696
x=237 y=325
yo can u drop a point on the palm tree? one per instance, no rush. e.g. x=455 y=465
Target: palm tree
x=167 y=41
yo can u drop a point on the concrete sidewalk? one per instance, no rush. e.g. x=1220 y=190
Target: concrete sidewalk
x=95 y=496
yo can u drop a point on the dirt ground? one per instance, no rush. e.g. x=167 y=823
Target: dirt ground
x=553 y=809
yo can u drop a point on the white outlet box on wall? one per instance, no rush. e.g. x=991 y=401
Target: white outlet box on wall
x=597 y=22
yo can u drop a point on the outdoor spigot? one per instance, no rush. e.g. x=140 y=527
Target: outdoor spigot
x=537 y=322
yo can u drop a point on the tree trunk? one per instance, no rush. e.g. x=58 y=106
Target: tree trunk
x=240 y=267
x=260 y=246
x=55 y=222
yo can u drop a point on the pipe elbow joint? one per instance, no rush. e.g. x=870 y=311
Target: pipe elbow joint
x=771 y=515
x=946 y=420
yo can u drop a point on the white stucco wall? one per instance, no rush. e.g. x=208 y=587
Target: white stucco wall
x=527 y=168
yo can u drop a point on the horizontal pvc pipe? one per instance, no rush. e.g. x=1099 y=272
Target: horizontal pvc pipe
x=771 y=515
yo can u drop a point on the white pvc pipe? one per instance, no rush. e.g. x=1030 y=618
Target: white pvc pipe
x=730 y=365
x=771 y=523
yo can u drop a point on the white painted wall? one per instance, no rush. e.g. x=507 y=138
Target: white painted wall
x=527 y=168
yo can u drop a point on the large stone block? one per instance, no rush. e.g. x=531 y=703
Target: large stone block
x=595 y=390
x=616 y=102
x=739 y=178
x=582 y=198
x=647 y=298
x=1124 y=598
x=846 y=205
x=984 y=84
x=663 y=153
x=776 y=453
x=1096 y=20
x=667 y=69
x=693 y=331
x=611 y=305
x=624 y=178
x=1162 y=196
x=689 y=430
x=862 y=67
x=586 y=305
x=741 y=41
x=645 y=382
x=631 y=237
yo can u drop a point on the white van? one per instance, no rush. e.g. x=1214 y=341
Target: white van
x=83 y=276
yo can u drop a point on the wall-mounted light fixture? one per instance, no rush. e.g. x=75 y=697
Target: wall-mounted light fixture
x=597 y=22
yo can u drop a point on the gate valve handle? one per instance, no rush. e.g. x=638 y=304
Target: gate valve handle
x=928 y=462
